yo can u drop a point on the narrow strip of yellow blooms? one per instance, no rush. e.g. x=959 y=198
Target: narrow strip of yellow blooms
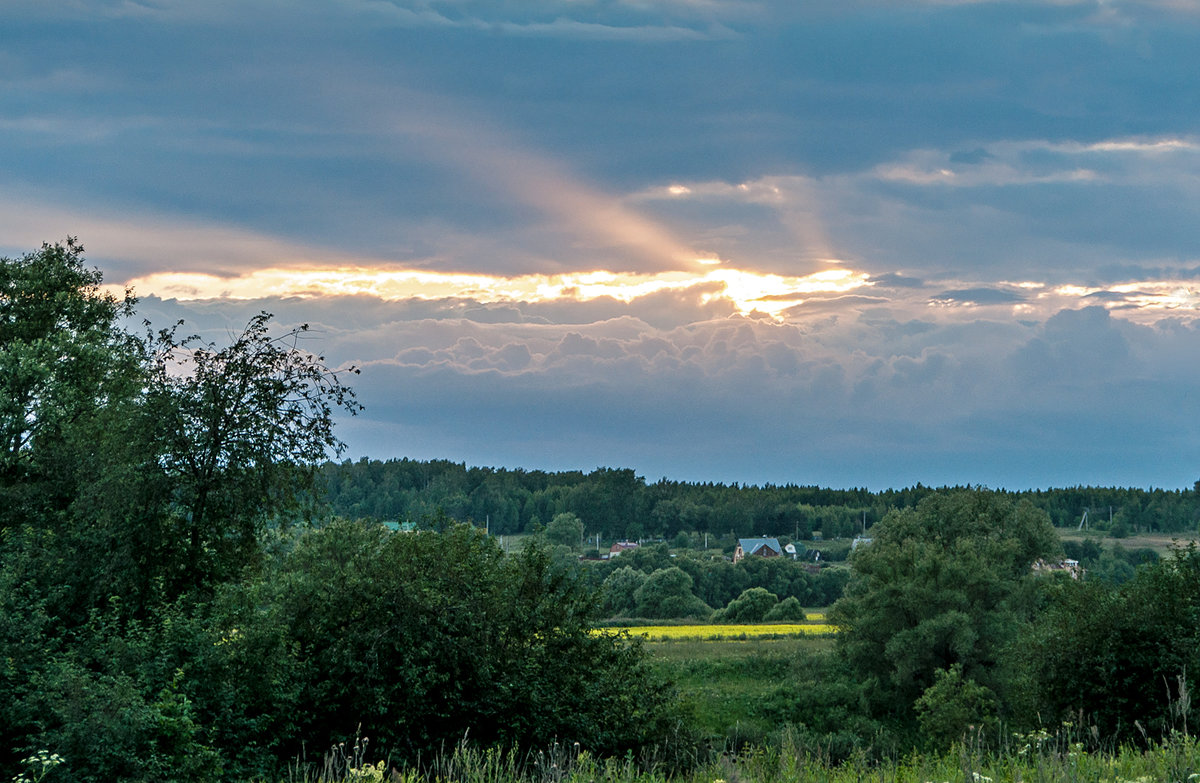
x=714 y=631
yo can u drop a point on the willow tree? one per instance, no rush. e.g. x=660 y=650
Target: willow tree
x=941 y=590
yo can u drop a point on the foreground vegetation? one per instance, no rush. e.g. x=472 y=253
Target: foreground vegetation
x=1038 y=757
x=174 y=604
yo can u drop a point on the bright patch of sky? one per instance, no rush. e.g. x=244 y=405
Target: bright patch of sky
x=852 y=243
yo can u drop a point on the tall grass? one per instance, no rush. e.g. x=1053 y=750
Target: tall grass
x=1040 y=757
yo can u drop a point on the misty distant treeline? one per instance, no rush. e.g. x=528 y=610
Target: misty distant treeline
x=617 y=503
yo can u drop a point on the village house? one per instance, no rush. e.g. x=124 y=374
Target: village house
x=621 y=546
x=762 y=547
x=1070 y=567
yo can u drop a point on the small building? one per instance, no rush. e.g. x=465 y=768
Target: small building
x=621 y=546
x=401 y=527
x=762 y=547
x=1069 y=567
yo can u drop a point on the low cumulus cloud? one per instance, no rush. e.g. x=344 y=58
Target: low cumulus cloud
x=1080 y=396
x=647 y=22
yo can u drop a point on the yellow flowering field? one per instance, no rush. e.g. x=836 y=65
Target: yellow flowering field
x=725 y=631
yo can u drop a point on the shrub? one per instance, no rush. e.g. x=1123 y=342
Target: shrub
x=787 y=610
x=751 y=606
x=668 y=593
x=423 y=637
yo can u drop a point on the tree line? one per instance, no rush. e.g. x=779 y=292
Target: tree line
x=616 y=503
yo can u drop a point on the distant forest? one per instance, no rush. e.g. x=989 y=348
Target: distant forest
x=619 y=504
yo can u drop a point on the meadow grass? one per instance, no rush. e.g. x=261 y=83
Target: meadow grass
x=1036 y=758
x=727 y=686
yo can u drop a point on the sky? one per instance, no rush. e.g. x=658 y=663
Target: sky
x=850 y=243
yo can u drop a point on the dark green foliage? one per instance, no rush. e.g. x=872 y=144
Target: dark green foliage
x=646 y=558
x=751 y=606
x=667 y=593
x=715 y=580
x=829 y=585
x=788 y=610
x=238 y=429
x=619 y=592
x=157 y=620
x=110 y=695
x=62 y=354
x=947 y=583
x=618 y=504
x=953 y=706
x=565 y=529
x=1115 y=565
x=1117 y=653
x=109 y=728
x=615 y=503
x=423 y=637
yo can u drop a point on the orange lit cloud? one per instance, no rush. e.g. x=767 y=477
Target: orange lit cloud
x=748 y=291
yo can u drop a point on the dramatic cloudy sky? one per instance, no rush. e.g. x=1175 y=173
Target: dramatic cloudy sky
x=844 y=242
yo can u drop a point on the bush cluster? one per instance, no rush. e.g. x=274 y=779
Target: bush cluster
x=174 y=607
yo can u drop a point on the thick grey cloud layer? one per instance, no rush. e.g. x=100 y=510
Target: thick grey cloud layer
x=867 y=399
x=1019 y=180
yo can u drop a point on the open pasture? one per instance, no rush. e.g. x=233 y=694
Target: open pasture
x=729 y=685
x=1162 y=543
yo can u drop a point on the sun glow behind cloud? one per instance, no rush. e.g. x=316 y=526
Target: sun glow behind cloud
x=748 y=291
x=782 y=297
x=1150 y=297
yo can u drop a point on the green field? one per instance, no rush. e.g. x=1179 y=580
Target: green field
x=729 y=686
x=1159 y=542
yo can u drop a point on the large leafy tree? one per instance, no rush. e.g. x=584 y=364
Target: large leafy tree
x=238 y=431
x=942 y=587
x=63 y=359
x=565 y=529
x=136 y=475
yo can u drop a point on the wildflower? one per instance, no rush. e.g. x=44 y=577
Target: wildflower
x=39 y=765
